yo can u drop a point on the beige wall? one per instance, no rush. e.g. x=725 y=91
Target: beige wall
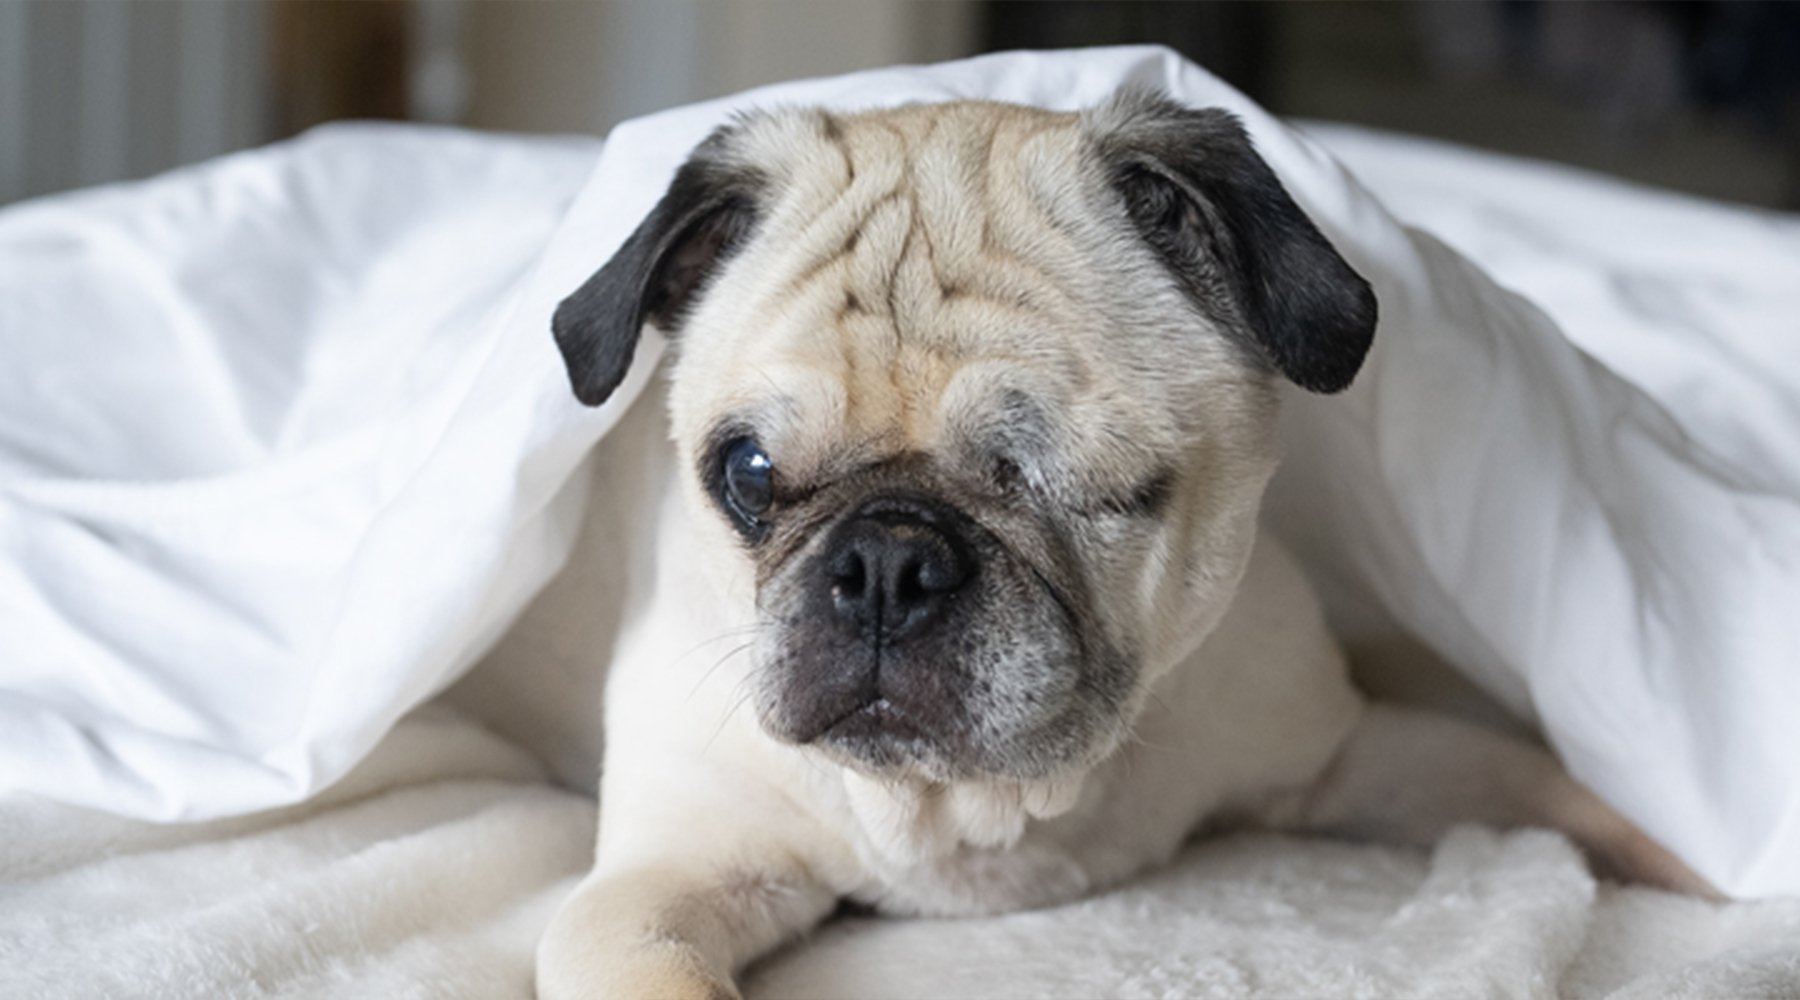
x=574 y=66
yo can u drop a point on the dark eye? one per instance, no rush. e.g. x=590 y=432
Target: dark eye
x=749 y=487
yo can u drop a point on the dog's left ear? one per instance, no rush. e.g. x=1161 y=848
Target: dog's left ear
x=660 y=270
x=1198 y=193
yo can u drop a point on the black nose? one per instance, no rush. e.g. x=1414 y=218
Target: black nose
x=892 y=568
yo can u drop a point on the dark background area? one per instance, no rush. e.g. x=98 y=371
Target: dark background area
x=1698 y=97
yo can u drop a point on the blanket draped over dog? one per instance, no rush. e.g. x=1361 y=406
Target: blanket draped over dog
x=284 y=445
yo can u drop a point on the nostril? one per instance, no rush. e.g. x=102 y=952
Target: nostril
x=922 y=571
x=910 y=586
x=941 y=574
x=849 y=576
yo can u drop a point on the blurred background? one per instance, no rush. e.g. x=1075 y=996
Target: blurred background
x=1702 y=97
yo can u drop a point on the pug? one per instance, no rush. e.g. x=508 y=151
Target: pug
x=937 y=586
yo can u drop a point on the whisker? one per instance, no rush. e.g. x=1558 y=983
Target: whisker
x=1135 y=738
x=717 y=664
x=814 y=765
x=1161 y=703
x=728 y=714
x=729 y=633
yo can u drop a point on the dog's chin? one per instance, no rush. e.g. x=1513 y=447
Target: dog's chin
x=885 y=740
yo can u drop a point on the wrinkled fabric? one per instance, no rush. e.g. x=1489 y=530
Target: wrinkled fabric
x=432 y=869
x=1585 y=494
x=285 y=444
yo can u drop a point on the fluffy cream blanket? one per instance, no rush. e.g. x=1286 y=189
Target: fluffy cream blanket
x=429 y=872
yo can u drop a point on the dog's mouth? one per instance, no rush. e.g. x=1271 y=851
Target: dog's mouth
x=943 y=721
x=880 y=736
x=875 y=719
x=870 y=726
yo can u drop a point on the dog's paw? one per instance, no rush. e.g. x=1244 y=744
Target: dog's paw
x=644 y=973
x=667 y=980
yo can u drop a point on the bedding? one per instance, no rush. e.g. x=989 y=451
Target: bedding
x=1600 y=518
x=284 y=445
x=429 y=871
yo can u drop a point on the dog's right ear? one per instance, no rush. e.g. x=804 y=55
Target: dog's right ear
x=660 y=270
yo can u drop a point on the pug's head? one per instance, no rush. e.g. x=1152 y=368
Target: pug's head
x=978 y=404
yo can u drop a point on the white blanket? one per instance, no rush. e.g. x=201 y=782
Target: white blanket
x=430 y=871
x=284 y=445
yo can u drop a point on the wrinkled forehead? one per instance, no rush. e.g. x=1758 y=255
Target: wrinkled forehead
x=929 y=280
x=964 y=166
x=924 y=221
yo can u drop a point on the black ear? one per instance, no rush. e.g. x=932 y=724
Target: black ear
x=1216 y=214
x=659 y=271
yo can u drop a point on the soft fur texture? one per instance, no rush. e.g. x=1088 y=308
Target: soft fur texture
x=965 y=439
x=430 y=872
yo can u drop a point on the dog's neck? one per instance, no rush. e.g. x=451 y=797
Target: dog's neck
x=907 y=822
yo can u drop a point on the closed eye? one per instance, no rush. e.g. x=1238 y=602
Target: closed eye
x=1006 y=475
x=1146 y=499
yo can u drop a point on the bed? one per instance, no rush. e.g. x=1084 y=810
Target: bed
x=311 y=820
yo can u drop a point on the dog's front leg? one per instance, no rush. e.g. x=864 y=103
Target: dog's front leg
x=671 y=931
x=679 y=900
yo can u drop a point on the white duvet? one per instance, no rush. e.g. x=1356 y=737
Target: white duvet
x=284 y=444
